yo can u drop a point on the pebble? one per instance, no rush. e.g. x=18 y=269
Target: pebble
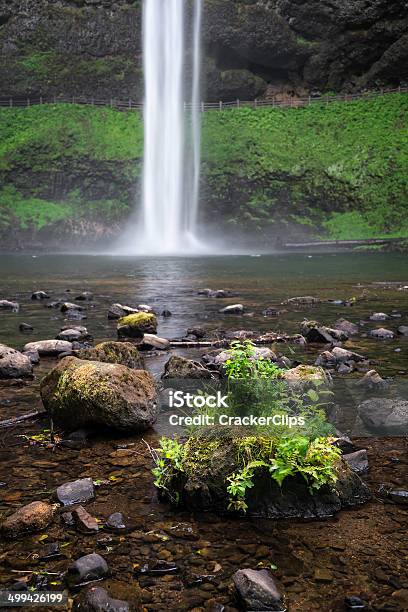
x=76 y=492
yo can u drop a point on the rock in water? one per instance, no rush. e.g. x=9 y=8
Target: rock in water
x=234 y=309
x=379 y=316
x=121 y=353
x=96 y=599
x=49 y=348
x=386 y=417
x=136 y=325
x=87 y=569
x=66 y=306
x=150 y=341
x=117 y=311
x=79 y=393
x=85 y=296
x=382 y=334
x=358 y=461
x=403 y=330
x=14 y=364
x=7 y=305
x=40 y=295
x=347 y=326
x=28 y=519
x=179 y=367
x=305 y=377
x=258 y=590
x=76 y=492
x=25 y=328
x=84 y=521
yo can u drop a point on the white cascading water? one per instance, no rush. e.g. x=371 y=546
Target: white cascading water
x=170 y=177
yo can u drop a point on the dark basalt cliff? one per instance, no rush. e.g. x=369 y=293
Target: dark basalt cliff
x=252 y=47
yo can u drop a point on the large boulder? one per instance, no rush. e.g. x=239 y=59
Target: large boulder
x=388 y=417
x=122 y=353
x=14 y=364
x=203 y=487
x=49 y=348
x=28 y=519
x=136 y=325
x=80 y=393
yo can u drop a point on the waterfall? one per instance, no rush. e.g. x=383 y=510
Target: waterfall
x=171 y=172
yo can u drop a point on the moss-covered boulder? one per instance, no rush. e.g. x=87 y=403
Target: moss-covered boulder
x=203 y=472
x=181 y=368
x=122 y=353
x=136 y=325
x=304 y=377
x=79 y=393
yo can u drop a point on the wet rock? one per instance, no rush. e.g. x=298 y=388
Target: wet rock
x=68 y=519
x=151 y=341
x=25 y=328
x=76 y=492
x=33 y=356
x=146 y=308
x=204 y=490
x=319 y=334
x=322 y=574
x=54 y=304
x=385 y=416
x=75 y=315
x=257 y=590
x=166 y=314
x=116 y=522
x=271 y=312
x=96 y=599
x=51 y=552
x=241 y=334
x=121 y=353
x=351 y=329
x=302 y=301
x=358 y=461
x=84 y=521
x=198 y=332
x=403 y=330
x=40 y=295
x=80 y=393
x=215 y=293
x=399 y=496
x=77 y=439
x=14 y=364
x=66 y=306
x=159 y=567
x=7 y=305
x=379 y=316
x=28 y=519
x=49 y=348
x=355 y=603
x=258 y=353
x=136 y=325
x=117 y=311
x=233 y=309
x=87 y=569
x=372 y=381
x=179 y=367
x=70 y=335
x=344 y=443
x=382 y=334
x=304 y=377
x=85 y=296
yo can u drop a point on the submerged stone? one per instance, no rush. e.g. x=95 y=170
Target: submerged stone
x=385 y=416
x=76 y=492
x=7 y=305
x=257 y=590
x=28 y=519
x=87 y=569
x=96 y=599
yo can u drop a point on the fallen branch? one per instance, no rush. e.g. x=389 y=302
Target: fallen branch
x=20 y=419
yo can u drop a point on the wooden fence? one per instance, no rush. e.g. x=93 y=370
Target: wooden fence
x=126 y=105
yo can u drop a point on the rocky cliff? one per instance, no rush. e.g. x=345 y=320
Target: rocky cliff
x=252 y=47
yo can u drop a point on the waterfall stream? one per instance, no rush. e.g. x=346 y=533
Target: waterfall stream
x=171 y=172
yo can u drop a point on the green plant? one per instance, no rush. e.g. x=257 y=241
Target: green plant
x=242 y=364
x=168 y=457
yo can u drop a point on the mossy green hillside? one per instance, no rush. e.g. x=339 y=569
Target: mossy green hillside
x=336 y=170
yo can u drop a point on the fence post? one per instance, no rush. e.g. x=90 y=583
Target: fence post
x=28 y=102
x=237 y=103
x=202 y=107
x=41 y=100
x=55 y=100
x=130 y=103
x=256 y=103
x=11 y=102
x=220 y=105
x=310 y=100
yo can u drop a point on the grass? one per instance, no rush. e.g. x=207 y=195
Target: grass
x=335 y=171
